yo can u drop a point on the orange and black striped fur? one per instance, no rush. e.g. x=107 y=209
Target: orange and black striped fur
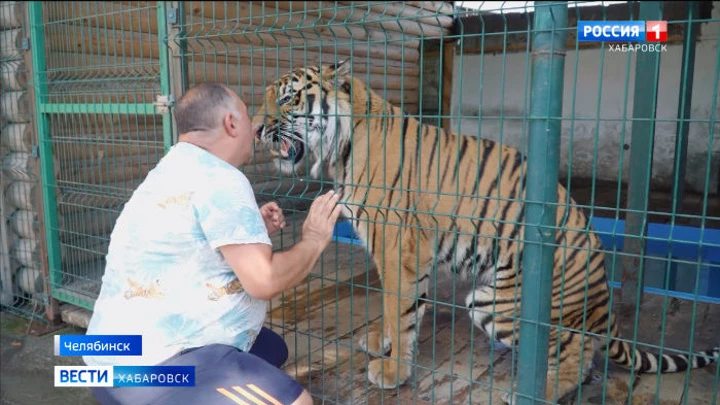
x=419 y=197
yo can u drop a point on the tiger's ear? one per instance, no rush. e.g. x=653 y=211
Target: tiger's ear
x=341 y=68
x=271 y=91
x=270 y=99
x=339 y=71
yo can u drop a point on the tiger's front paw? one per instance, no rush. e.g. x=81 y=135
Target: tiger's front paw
x=387 y=373
x=374 y=342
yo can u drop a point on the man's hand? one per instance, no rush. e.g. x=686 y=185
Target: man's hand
x=321 y=218
x=273 y=217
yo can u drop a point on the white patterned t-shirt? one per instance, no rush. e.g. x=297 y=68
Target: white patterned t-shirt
x=165 y=278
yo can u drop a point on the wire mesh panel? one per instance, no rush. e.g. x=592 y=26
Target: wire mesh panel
x=100 y=67
x=402 y=306
x=22 y=288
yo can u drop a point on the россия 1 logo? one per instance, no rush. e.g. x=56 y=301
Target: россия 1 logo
x=622 y=31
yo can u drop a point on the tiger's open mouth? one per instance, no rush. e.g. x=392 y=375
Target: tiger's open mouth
x=291 y=149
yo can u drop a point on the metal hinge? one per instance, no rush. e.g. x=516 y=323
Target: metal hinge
x=25 y=45
x=172 y=15
x=163 y=103
x=35 y=151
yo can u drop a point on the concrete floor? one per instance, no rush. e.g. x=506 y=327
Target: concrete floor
x=26 y=367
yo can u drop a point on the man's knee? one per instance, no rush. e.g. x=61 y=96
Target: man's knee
x=271 y=347
x=304 y=399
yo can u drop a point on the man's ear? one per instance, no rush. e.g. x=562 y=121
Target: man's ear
x=229 y=123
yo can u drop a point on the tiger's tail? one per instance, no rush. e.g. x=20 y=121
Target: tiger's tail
x=621 y=353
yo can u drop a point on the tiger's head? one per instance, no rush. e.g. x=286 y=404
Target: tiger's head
x=305 y=118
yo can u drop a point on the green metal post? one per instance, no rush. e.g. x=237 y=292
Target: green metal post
x=548 y=65
x=163 y=48
x=687 y=67
x=643 y=136
x=177 y=51
x=47 y=170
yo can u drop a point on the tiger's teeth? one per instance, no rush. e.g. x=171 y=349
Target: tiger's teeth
x=284 y=148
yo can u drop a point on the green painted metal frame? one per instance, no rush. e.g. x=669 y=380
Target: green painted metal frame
x=42 y=127
x=687 y=66
x=84 y=108
x=687 y=70
x=647 y=72
x=548 y=65
x=43 y=109
x=162 y=11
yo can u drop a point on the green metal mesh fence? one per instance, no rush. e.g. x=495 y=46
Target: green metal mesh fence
x=629 y=134
x=21 y=239
x=100 y=75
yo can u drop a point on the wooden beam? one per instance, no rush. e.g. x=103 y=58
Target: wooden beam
x=247 y=22
x=332 y=12
x=406 y=11
x=13 y=75
x=443 y=7
x=12 y=14
x=52 y=308
x=68 y=38
x=447 y=82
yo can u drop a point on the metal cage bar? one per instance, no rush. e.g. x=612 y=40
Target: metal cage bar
x=80 y=111
x=643 y=133
x=37 y=41
x=546 y=100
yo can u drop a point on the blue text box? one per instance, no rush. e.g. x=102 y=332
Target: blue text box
x=98 y=345
x=611 y=31
x=153 y=376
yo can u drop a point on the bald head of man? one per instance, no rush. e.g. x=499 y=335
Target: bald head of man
x=213 y=117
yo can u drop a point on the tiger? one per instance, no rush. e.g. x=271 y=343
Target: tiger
x=424 y=198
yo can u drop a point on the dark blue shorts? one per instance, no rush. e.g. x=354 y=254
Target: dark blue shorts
x=224 y=375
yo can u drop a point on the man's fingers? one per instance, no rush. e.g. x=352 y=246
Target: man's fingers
x=331 y=204
x=321 y=201
x=335 y=213
x=332 y=200
x=270 y=208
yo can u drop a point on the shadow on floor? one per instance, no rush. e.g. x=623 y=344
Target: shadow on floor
x=27 y=363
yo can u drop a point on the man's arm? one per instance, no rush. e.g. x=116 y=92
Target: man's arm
x=265 y=274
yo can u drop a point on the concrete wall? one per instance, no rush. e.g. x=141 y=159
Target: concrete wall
x=603 y=95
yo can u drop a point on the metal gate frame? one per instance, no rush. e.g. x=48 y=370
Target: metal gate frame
x=44 y=133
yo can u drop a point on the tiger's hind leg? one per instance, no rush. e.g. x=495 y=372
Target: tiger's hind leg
x=495 y=313
x=567 y=368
